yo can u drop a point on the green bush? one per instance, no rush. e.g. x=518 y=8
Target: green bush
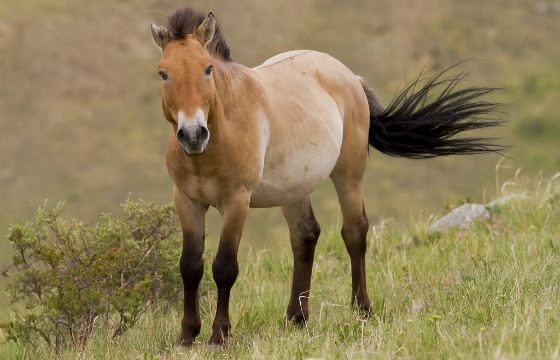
x=67 y=277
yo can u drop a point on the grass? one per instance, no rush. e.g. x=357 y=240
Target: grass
x=101 y=137
x=488 y=292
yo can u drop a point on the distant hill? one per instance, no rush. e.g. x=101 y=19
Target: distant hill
x=79 y=98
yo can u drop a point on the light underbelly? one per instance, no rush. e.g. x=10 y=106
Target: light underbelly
x=294 y=180
x=292 y=172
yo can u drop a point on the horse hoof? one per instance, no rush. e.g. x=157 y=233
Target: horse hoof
x=364 y=310
x=185 y=341
x=298 y=318
x=216 y=340
x=219 y=336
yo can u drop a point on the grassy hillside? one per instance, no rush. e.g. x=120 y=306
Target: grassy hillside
x=488 y=292
x=79 y=101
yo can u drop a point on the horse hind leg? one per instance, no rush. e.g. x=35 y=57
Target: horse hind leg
x=354 y=233
x=304 y=233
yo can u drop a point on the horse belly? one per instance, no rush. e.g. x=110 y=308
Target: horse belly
x=292 y=172
x=293 y=181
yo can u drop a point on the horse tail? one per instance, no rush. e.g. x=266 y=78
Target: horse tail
x=413 y=126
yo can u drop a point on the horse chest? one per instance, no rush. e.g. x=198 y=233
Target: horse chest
x=204 y=189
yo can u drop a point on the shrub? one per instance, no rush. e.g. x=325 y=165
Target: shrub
x=66 y=276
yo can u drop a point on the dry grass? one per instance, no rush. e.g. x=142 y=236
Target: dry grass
x=488 y=292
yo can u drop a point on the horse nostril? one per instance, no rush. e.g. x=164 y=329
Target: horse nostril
x=203 y=132
x=181 y=134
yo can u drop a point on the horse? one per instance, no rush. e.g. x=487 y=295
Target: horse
x=267 y=136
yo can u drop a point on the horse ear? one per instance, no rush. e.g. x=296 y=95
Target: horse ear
x=205 y=32
x=160 y=35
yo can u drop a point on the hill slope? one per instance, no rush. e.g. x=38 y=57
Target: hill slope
x=491 y=291
x=79 y=101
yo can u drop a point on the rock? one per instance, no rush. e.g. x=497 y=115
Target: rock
x=506 y=199
x=461 y=217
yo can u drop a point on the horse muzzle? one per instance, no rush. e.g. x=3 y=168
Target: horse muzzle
x=193 y=138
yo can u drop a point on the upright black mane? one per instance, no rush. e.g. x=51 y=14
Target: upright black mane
x=185 y=21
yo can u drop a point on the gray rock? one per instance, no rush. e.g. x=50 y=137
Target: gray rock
x=461 y=217
x=507 y=199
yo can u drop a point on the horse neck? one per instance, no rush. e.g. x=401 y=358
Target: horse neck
x=232 y=81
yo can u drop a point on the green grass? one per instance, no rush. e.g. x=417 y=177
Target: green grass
x=488 y=292
x=94 y=93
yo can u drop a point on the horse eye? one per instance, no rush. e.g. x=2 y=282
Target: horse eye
x=163 y=75
x=208 y=70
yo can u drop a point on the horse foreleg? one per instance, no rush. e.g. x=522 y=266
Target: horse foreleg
x=191 y=216
x=304 y=232
x=225 y=267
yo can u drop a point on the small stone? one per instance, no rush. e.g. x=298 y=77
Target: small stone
x=462 y=217
x=504 y=200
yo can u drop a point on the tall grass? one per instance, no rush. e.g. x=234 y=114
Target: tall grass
x=488 y=292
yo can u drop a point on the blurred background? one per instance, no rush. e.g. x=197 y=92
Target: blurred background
x=80 y=116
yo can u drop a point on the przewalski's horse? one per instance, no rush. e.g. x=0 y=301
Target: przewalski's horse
x=268 y=136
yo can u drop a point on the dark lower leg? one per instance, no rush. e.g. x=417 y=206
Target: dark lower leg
x=192 y=268
x=304 y=251
x=225 y=267
x=360 y=297
x=225 y=271
x=354 y=235
x=304 y=232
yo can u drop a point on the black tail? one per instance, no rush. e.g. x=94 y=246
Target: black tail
x=414 y=127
